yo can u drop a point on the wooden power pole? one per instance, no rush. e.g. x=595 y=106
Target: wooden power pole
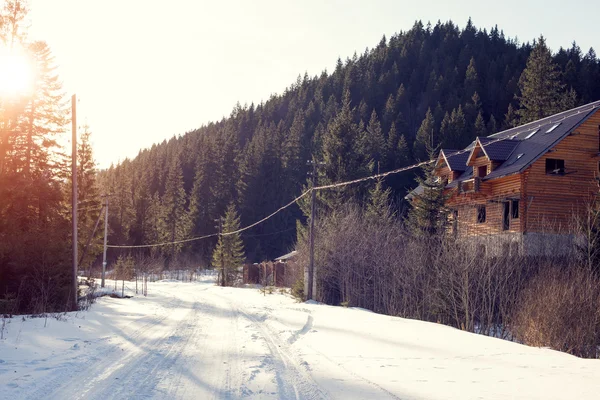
x=311 y=233
x=75 y=286
x=219 y=226
x=105 y=240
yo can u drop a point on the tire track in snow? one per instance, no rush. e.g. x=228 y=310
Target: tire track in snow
x=65 y=381
x=292 y=380
x=142 y=375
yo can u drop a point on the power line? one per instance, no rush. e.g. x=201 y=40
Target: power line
x=161 y=244
x=323 y=187
x=269 y=234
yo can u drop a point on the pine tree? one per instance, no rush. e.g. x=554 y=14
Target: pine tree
x=541 y=89
x=88 y=197
x=511 y=118
x=452 y=129
x=174 y=223
x=372 y=142
x=471 y=79
x=340 y=155
x=200 y=206
x=425 y=136
x=492 y=126
x=228 y=255
x=428 y=215
x=402 y=152
x=479 y=127
x=295 y=150
x=378 y=205
x=446 y=134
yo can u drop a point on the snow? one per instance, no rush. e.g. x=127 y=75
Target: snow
x=201 y=341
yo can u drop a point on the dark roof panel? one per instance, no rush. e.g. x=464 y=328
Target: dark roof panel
x=501 y=150
x=518 y=147
x=537 y=145
x=457 y=162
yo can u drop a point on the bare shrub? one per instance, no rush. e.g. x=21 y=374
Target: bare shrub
x=376 y=263
x=560 y=308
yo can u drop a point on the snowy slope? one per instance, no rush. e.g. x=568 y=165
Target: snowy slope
x=199 y=341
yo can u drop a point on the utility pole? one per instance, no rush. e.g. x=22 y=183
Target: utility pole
x=311 y=233
x=75 y=286
x=219 y=227
x=105 y=240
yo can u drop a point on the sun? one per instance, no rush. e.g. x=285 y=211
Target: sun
x=16 y=76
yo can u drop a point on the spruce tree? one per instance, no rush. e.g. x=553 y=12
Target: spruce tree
x=340 y=154
x=372 y=142
x=479 y=126
x=471 y=79
x=492 y=126
x=402 y=152
x=174 y=223
x=425 y=136
x=541 y=89
x=88 y=197
x=228 y=255
x=511 y=118
x=428 y=215
x=378 y=205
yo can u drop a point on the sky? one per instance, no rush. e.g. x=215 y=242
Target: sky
x=145 y=70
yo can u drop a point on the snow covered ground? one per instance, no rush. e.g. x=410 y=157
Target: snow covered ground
x=200 y=341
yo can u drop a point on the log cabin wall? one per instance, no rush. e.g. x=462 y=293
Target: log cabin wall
x=481 y=161
x=492 y=195
x=552 y=200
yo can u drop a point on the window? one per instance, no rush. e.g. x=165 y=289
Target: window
x=515 y=209
x=505 y=215
x=553 y=127
x=482 y=171
x=481 y=214
x=555 y=167
x=532 y=133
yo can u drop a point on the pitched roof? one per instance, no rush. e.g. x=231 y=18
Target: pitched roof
x=521 y=146
x=456 y=162
x=501 y=150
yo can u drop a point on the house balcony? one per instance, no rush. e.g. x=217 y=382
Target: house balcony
x=474 y=185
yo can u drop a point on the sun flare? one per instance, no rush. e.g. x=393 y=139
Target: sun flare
x=15 y=73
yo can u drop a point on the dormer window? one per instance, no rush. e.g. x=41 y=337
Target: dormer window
x=482 y=171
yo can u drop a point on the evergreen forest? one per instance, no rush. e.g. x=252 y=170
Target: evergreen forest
x=430 y=86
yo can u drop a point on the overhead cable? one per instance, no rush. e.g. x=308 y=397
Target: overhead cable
x=322 y=187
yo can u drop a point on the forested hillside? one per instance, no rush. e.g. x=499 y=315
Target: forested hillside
x=376 y=111
x=35 y=184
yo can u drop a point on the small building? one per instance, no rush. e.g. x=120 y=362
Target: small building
x=280 y=272
x=527 y=182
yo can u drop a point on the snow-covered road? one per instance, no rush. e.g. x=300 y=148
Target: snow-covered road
x=199 y=341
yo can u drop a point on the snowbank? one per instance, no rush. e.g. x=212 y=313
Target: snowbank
x=198 y=340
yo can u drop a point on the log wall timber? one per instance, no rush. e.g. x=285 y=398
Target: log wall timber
x=547 y=202
x=554 y=200
x=491 y=195
x=481 y=162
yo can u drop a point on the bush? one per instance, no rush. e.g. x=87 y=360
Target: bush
x=560 y=309
x=298 y=290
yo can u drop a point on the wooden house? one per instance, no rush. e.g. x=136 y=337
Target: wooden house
x=527 y=182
